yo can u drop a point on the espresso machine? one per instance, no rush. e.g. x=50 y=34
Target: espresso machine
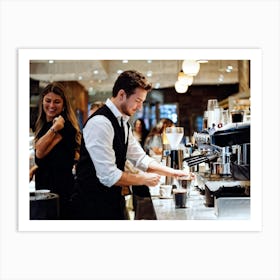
x=235 y=138
x=227 y=151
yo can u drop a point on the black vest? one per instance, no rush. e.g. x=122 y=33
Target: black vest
x=96 y=200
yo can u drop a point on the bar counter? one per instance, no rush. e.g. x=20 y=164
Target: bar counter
x=195 y=208
x=226 y=208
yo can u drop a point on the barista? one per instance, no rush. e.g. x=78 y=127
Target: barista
x=105 y=148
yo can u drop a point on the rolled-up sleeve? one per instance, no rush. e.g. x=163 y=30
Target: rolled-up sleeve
x=137 y=155
x=98 y=136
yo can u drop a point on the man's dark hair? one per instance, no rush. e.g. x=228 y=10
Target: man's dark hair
x=129 y=81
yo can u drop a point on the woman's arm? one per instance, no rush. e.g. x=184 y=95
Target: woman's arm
x=46 y=143
x=32 y=171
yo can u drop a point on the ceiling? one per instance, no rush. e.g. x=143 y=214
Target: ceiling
x=99 y=75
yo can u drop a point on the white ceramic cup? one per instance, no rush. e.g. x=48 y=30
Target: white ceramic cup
x=41 y=194
x=154 y=191
x=165 y=190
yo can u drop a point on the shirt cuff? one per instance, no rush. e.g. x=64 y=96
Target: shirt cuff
x=145 y=162
x=111 y=180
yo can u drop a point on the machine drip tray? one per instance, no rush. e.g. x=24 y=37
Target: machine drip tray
x=237 y=208
x=225 y=191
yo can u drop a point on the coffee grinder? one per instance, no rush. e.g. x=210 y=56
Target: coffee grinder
x=174 y=156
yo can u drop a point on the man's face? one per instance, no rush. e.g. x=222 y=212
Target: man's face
x=134 y=102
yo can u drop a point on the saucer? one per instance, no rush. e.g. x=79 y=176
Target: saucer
x=166 y=197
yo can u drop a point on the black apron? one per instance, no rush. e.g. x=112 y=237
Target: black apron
x=91 y=199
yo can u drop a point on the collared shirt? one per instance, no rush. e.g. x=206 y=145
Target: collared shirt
x=98 y=136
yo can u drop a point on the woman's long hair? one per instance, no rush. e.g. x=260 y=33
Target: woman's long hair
x=158 y=129
x=68 y=113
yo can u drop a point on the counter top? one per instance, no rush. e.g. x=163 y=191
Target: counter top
x=231 y=208
x=196 y=210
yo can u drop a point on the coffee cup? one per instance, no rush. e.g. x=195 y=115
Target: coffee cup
x=237 y=116
x=165 y=190
x=41 y=194
x=180 y=198
x=154 y=191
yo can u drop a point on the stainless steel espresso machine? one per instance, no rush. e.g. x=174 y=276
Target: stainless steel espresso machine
x=235 y=142
x=227 y=153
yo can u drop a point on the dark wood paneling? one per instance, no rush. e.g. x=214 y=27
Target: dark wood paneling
x=193 y=103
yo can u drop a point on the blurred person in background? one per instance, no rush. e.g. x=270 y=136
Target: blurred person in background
x=94 y=106
x=156 y=138
x=140 y=131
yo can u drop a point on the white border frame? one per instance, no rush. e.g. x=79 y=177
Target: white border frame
x=24 y=57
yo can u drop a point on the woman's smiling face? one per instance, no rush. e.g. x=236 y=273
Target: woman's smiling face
x=52 y=105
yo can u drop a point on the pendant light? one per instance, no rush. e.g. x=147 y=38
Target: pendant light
x=190 y=67
x=185 y=78
x=181 y=87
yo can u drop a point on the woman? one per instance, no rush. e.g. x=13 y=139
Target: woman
x=94 y=106
x=57 y=143
x=155 y=139
x=140 y=132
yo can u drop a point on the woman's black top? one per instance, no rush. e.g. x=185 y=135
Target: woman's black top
x=55 y=169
